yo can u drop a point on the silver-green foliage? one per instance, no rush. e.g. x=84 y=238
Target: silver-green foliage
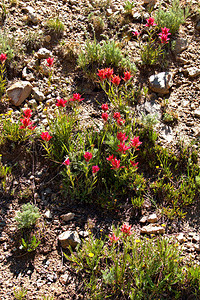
x=173 y=17
x=106 y=54
x=27 y=216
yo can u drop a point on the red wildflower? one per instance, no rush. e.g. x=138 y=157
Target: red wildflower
x=135 y=33
x=110 y=158
x=88 y=156
x=3 y=57
x=123 y=148
x=150 y=22
x=113 y=238
x=109 y=73
x=26 y=124
x=116 y=115
x=61 y=102
x=116 y=80
x=165 y=31
x=126 y=229
x=134 y=164
x=66 y=162
x=116 y=164
x=95 y=169
x=127 y=76
x=45 y=136
x=50 y=61
x=76 y=97
x=27 y=112
x=122 y=137
x=135 y=142
x=104 y=116
x=104 y=107
x=120 y=121
x=164 y=38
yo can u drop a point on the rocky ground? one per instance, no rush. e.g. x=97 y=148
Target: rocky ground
x=44 y=272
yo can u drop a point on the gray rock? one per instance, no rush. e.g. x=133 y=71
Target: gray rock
x=198 y=26
x=43 y=53
x=161 y=82
x=143 y=219
x=39 y=96
x=152 y=229
x=193 y=72
x=68 y=217
x=19 y=91
x=69 y=238
x=152 y=218
x=181 y=45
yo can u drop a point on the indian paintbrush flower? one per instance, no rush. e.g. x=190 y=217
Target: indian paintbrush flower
x=46 y=136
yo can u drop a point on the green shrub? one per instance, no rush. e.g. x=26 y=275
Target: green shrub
x=173 y=17
x=55 y=25
x=7 y=45
x=27 y=216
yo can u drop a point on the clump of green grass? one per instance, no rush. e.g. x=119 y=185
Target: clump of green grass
x=105 y=54
x=55 y=26
x=7 y=45
x=173 y=17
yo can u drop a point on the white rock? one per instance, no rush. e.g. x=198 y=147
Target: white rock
x=69 y=238
x=144 y=219
x=197 y=113
x=193 y=72
x=180 y=238
x=48 y=214
x=65 y=278
x=27 y=75
x=68 y=217
x=43 y=53
x=152 y=229
x=19 y=91
x=152 y=218
x=161 y=82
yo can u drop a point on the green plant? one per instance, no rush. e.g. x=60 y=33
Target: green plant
x=173 y=17
x=7 y=45
x=55 y=25
x=30 y=245
x=122 y=264
x=27 y=216
x=33 y=40
x=20 y=294
x=5 y=171
x=128 y=6
x=108 y=53
x=2 y=79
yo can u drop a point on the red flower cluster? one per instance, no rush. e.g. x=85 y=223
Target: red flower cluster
x=126 y=229
x=104 y=116
x=87 y=156
x=136 y=33
x=104 y=107
x=50 y=62
x=66 y=162
x=123 y=148
x=122 y=137
x=95 y=169
x=114 y=162
x=46 y=136
x=150 y=22
x=134 y=164
x=61 y=102
x=164 y=35
x=26 y=123
x=27 y=112
x=113 y=238
x=76 y=97
x=109 y=74
x=118 y=118
x=105 y=74
x=135 y=142
x=3 y=57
